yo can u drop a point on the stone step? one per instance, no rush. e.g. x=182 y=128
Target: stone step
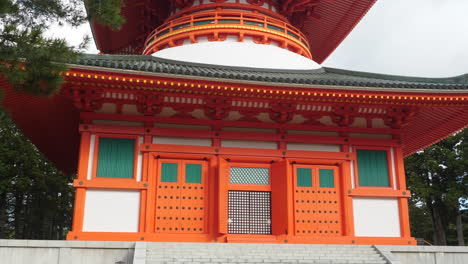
x=158 y=252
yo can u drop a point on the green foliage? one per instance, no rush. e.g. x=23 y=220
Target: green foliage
x=35 y=198
x=106 y=12
x=438 y=179
x=32 y=62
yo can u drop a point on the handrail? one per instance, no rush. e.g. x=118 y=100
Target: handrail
x=230 y=17
x=242 y=6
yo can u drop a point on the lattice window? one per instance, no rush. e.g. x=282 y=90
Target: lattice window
x=243 y=175
x=249 y=212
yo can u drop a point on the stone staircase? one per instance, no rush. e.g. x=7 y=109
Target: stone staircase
x=155 y=253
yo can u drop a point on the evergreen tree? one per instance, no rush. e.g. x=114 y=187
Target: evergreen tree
x=35 y=198
x=438 y=179
x=32 y=62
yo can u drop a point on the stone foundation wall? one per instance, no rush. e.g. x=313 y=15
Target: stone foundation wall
x=65 y=252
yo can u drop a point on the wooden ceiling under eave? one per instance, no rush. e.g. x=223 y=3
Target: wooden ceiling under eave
x=336 y=20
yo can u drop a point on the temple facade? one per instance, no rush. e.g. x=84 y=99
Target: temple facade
x=226 y=129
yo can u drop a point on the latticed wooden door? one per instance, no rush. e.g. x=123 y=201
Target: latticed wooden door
x=249 y=212
x=249 y=199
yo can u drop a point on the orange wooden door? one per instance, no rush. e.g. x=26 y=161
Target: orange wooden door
x=181 y=196
x=317 y=201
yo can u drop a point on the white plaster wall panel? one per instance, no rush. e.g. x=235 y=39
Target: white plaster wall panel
x=359 y=122
x=234 y=115
x=111 y=211
x=249 y=129
x=92 y=143
x=139 y=160
x=182 y=126
x=199 y=114
x=249 y=144
x=326 y=120
x=351 y=167
x=129 y=109
x=313 y=133
x=392 y=160
x=167 y=112
x=378 y=123
x=243 y=54
x=376 y=217
x=182 y=141
x=108 y=108
x=297 y=119
x=265 y=117
x=118 y=123
x=369 y=135
x=313 y=147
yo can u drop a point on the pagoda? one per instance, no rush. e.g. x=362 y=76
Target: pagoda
x=212 y=121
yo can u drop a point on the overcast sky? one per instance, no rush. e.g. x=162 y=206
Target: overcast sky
x=404 y=37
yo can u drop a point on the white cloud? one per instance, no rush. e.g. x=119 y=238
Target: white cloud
x=403 y=37
x=408 y=37
x=73 y=35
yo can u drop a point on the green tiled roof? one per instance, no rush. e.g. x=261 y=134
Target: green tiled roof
x=323 y=76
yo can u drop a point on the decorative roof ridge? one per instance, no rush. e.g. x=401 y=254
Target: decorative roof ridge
x=459 y=79
x=323 y=76
x=149 y=58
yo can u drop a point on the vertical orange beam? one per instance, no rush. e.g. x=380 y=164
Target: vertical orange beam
x=80 y=194
x=213 y=183
x=347 y=217
x=78 y=213
x=152 y=164
x=347 y=205
x=144 y=193
x=290 y=200
x=279 y=194
x=223 y=179
x=401 y=185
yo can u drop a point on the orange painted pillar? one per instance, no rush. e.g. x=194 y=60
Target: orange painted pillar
x=80 y=193
x=401 y=186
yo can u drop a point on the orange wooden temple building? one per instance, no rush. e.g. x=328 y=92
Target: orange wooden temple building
x=213 y=122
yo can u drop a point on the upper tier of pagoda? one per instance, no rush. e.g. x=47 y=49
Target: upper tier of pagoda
x=311 y=28
x=231 y=32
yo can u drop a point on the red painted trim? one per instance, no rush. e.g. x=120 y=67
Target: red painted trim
x=379 y=193
x=197 y=88
x=227 y=123
x=110 y=183
x=237 y=135
x=107 y=236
